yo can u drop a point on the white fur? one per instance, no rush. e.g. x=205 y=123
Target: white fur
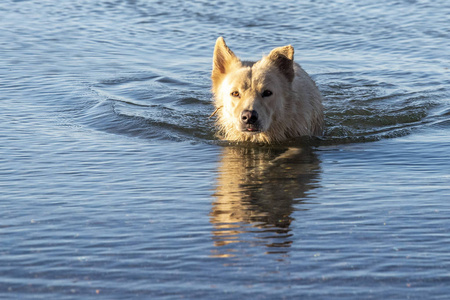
x=294 y=109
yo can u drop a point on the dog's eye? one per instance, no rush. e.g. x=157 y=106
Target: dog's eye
x=235 y=94
x=266 y=93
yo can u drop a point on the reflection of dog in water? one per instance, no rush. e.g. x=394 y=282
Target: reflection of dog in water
x=258 y=186
x=270 y=100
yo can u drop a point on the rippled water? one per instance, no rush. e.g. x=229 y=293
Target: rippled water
x=114 y=186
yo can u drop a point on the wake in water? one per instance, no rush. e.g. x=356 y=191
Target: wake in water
x=369 y=110
x=152 y=107
x=357 y=109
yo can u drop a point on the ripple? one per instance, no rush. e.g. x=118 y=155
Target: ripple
x=359 y=107
x=150 y=106
x=369 y=107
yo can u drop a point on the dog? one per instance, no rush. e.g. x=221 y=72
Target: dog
x=268 y=101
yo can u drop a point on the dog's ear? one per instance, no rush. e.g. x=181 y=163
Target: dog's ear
x=223 y=60
x=283 y=58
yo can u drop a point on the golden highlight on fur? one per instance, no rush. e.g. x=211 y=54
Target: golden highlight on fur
x=267 y=101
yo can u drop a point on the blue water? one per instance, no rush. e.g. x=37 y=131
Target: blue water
x=113 y=185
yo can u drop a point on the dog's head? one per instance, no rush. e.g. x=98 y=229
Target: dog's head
x=252 y=95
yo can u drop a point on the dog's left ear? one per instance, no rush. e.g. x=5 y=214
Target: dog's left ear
x=283 y=58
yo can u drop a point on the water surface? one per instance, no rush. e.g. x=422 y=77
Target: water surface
x=114 y=186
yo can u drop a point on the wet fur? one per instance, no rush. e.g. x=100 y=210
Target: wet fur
x=294 y=109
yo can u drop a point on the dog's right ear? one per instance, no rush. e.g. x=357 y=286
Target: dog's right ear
x=223 y=60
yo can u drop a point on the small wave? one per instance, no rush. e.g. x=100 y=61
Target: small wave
x=370 y=109
x=159 y=107
x=132 y=106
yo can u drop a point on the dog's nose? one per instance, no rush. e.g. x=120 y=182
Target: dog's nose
x=249 y=116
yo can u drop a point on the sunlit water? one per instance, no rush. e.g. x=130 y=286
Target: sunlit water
x=113 y=186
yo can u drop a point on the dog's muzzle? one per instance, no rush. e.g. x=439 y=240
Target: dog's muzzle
x=249 y=121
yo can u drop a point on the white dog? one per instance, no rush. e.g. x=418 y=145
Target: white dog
x=270 y=100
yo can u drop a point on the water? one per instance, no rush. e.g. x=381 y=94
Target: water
x=113 y=185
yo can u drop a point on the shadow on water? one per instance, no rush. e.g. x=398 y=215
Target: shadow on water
x=257 y=191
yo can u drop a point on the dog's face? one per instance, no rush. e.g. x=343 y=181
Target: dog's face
x=252 y=96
